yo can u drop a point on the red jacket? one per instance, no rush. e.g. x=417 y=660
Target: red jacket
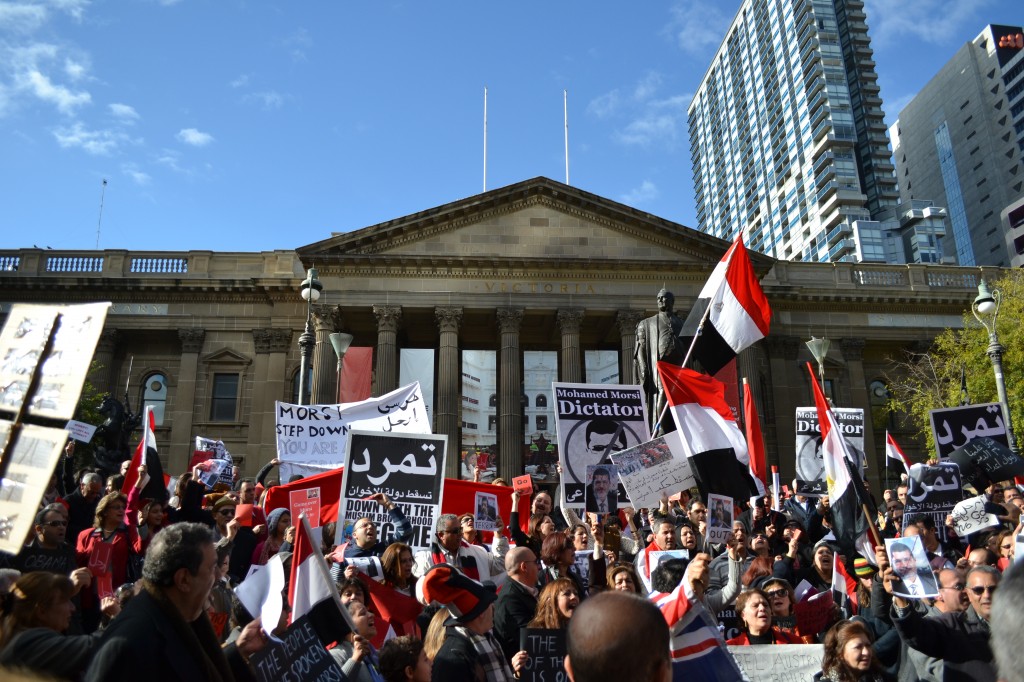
x=780 y=637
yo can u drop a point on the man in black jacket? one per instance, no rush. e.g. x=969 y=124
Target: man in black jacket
x=517 y=603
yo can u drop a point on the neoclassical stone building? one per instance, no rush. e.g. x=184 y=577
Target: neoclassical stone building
x=485 y=301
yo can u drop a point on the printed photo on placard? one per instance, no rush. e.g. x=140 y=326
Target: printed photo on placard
x=719 y=519
x=909 y=562
x=486 y=505
x=602 y=494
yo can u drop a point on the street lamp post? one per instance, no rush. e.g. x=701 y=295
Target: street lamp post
x=310 y=290
x=340 y=343
x=986 y=310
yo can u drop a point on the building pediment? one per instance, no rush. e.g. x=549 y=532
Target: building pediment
x=225 y=356
x=539 y=220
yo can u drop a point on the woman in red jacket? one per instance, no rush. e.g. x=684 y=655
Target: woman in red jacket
x=105 y=549
x=755 y=612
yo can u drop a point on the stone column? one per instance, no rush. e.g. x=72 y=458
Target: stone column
x=786 y=383
x=100 y=374
x=269 y=380
x=389 y=317
x=627 y=321
x=449 y=384
x=326 y=320
x=510 y=391
x=184 y=399
x=571 y=365
x=852 y=349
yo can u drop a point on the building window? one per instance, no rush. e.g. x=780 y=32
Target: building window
x=224 y=402
x=541 y=400
x=542 y=422
x=154 y=394
x=493 y=400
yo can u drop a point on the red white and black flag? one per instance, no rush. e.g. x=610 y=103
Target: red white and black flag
x=146 y=453
x=738 y=313
x=312 y=593
x=894 y=451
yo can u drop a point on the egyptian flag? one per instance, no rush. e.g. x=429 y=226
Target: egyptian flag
x=312 y=593
x=848 y=522
x=755 y=441
x=156 y=489
x=708 y=433
x=697 y=648
x=396 y=613
x=737 y=311
x=893 y=451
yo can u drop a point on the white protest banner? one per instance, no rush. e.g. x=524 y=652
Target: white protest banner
x=80 y=431
x=719 y=528
x=312 y=439
x=970 y=516
x=779 y=662
x=408 y=468
x=30 y=467
x=651 y=468
x=62 y=373
x=592 y=421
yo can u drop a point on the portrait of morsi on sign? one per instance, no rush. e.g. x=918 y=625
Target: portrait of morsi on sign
x=592 y=421
x=311 y=439
x=408 y=468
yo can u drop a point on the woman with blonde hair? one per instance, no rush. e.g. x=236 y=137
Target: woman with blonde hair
x=556 y=604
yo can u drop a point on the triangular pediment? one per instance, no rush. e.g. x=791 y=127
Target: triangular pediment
x=225 y=356
x=539 y=219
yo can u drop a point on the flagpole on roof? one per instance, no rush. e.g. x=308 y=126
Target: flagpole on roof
x=565 y=111
x=485 y=138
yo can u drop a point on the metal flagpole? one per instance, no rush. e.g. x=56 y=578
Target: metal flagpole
x=485 y=138
x=565 y=111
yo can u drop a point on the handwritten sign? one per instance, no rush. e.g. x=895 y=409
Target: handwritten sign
x=719 y=528
x=305 y=501
x=523 y=484
x=984 y=461
x=970 y=516
x=653 y=467
x=955 y=427
x=312 y=439
x=593 y=421
x=546 y=649
x=408 y=468
x=299 y=655
x=80 y=431
x=779 y=662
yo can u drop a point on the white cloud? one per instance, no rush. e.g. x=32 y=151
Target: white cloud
x=647 y=86
x=97 y=142
x=194 y=137
x=269 y=99
x=123 y=112
x=647 y=191
x=240 y=82
x=931 y=21
x=75 y=8
x=75 y=70
x=604 y=105
x=138 y=177
x=697 y=26
x=170 y=158
x=894 y=105
x=42 y=87
x=20 y=17
x=658 y=123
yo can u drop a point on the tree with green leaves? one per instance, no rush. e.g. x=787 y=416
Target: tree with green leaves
x=957 y=369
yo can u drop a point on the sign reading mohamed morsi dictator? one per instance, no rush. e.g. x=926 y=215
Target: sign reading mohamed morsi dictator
x=407 y=467
x=592 y=421
x=810 y=467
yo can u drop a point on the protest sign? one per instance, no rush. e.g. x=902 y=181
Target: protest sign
x=955 y=427
x=306 y=501
x=719 y=528
x=244 y=514
x=30 y=466
x=212 y=470
x=815 y=612
x=656 y=558
x=216 y=448
x=592 y=421
x=486 y=505
x=970 y=516
x=582 y=563
x=913 y=576
x=408 y=468
x=810 y=468
x=523 y=484
x=653 y=467
x=311 y=439
x=298 y=655
x=779 y=662
x=983 y=462
x=546 y=649
x=80 y=431
x=368 y=565
x=602 y=491
x=63 y=371
x=934 y=491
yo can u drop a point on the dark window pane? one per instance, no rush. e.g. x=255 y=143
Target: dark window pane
x=225 y=398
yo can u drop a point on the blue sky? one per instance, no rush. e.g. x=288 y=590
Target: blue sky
x=237 y=125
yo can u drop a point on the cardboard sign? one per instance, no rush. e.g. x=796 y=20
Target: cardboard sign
x=779 y=662
x=486 y=506
x=32 y=462
x=523 y=484
x=653 y=467
x=955 y=427
x=719 y=527
x=970 y=516
x=99 y=558
x=546 y=649
x=299 y=655
x=810 y=467
x=933 y=489
x=80 y=431
x=984 y=461
x=306 y=501
x=243 y=512
x=913 y=576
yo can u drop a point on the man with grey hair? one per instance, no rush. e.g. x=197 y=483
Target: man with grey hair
x=449 y=548
x=82 y=504
x=164 y=632
x=1008 y=626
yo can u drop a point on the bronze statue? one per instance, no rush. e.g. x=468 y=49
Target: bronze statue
x=657 y=338
x=113 y=436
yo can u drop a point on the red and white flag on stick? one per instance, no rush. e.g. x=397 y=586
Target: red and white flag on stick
x=312 y=593
x=893 y=450
x=755 y=441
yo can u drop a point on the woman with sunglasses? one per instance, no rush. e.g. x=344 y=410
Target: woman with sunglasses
x=782 y=599
x=755 y=614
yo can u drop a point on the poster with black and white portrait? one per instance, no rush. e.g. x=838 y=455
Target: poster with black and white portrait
x=592 y=421
x=810 y=467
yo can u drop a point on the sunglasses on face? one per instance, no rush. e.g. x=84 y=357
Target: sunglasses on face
x=56 y=524
x=959 y=587
x=774 y=594
x=979 y=590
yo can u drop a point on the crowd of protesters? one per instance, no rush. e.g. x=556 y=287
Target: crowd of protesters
x=112 y=585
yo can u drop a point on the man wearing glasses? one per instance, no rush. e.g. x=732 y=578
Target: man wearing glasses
x=449 y=548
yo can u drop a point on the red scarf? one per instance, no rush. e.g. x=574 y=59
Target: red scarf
x=466 y=561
